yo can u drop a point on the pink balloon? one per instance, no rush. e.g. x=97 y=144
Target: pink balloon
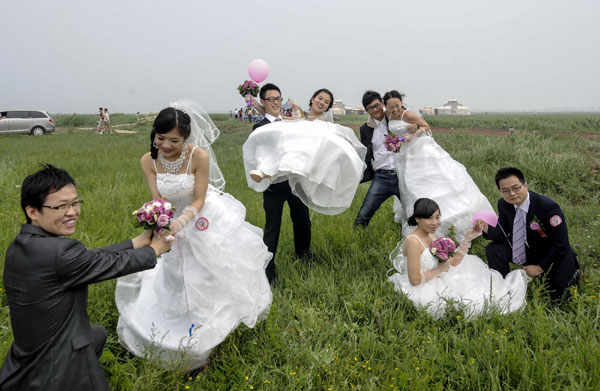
x=488 y=216
x=258 y=70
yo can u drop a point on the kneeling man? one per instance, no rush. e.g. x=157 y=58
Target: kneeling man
x=46 y=278
x=531 y=232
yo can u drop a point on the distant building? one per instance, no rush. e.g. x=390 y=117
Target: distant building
x=337 y=109
x=427 y=110
x=452 y=107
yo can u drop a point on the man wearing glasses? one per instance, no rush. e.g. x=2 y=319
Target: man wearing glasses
x=532 y=233
x=380 y=162
x=46 y=278
x=280 y=192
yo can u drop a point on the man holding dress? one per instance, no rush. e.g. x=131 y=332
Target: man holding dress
x=278 y=193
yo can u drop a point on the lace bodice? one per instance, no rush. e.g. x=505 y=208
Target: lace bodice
x=177 y=188
x=399 y=128
x=427 y=260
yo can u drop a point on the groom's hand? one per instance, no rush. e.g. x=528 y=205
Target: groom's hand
x=533 y=270
x=483 y=225
x=143 y=240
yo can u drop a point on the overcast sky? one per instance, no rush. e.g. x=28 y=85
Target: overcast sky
x=74 y=56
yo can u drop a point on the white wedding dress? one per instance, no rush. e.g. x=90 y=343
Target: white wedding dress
x=472 y=285
x=425 y=170
x=322 y=161
x=212 y=280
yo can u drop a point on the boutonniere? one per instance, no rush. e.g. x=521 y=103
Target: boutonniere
x=537 y=226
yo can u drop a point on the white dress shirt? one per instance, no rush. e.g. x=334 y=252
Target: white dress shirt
x=382 y=158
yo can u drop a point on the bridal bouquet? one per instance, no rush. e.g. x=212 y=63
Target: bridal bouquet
x=248 y=87
x=155 y=214
x=442 y=248
x=392 y=142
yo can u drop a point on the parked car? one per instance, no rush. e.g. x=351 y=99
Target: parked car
x=36 y=122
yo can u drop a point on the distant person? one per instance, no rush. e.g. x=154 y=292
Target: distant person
x=532 y=233
x=107 y=121
x=46 y=278
x=100 y=128
x=230 y=114
x=241 y=115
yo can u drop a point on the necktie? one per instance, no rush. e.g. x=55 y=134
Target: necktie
x=518 y=249
x=277 y=119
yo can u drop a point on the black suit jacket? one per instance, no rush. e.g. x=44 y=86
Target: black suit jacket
x=550 y=252
x=46 y=280
x=366 y=138
x=261 y=123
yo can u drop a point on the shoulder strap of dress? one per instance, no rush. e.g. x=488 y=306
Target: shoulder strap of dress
x=190 y=160
x=155 y=168
x=419 y=239
x=402 y=116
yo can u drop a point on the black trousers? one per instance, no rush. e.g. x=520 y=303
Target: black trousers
x=499 y=255
x=273 y=199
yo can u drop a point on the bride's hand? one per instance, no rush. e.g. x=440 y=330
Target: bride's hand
x=413 y=128
x=455 y=261
x=475 y=231
x=444 y=266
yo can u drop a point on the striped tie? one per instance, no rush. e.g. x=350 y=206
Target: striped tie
x=518 y=249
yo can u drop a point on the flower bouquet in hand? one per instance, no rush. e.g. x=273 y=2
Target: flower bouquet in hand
x=442 y=248
x=248 y=87
x=155 y=214
x=392 y=142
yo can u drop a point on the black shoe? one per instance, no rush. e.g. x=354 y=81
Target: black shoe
x=309 y=258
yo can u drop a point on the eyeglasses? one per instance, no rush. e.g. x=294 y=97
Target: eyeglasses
x=64 y=207
x=273 y=99
x=376 y=106
x=513 y=189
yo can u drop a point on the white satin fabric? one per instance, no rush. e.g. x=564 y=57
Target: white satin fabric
x=322 y=161
x=425 y=170
x=212 y=280
x=472 y=286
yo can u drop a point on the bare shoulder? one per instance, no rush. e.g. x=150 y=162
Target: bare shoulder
x=146 y=160
x=410 y=116
x=199 y=155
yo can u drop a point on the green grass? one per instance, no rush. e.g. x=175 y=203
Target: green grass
x=545 y=123
x=339 y=324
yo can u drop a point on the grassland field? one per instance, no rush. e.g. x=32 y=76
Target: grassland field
x=339 y=325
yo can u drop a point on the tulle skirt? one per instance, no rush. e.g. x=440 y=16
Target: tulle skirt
x=212 y=280
x=322 y=161
x=426 y=170
x=471 y=285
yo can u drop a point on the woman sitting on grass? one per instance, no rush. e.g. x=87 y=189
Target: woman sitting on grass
x=464 y=279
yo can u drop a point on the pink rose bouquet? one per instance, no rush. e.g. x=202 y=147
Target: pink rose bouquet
x=155 y=214
x=248 y=87
x=442 y=248
x=392 y=142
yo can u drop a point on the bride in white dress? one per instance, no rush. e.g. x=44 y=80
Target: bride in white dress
x=425 y=170
x=214 y=278
x=463 y=279
x=322 y=161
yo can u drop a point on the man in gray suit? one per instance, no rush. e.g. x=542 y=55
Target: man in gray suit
x=46 y=278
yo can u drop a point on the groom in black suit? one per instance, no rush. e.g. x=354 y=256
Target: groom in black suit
x=278 y=193
x=46 y=278
x=544 y=248
x=380 y=169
